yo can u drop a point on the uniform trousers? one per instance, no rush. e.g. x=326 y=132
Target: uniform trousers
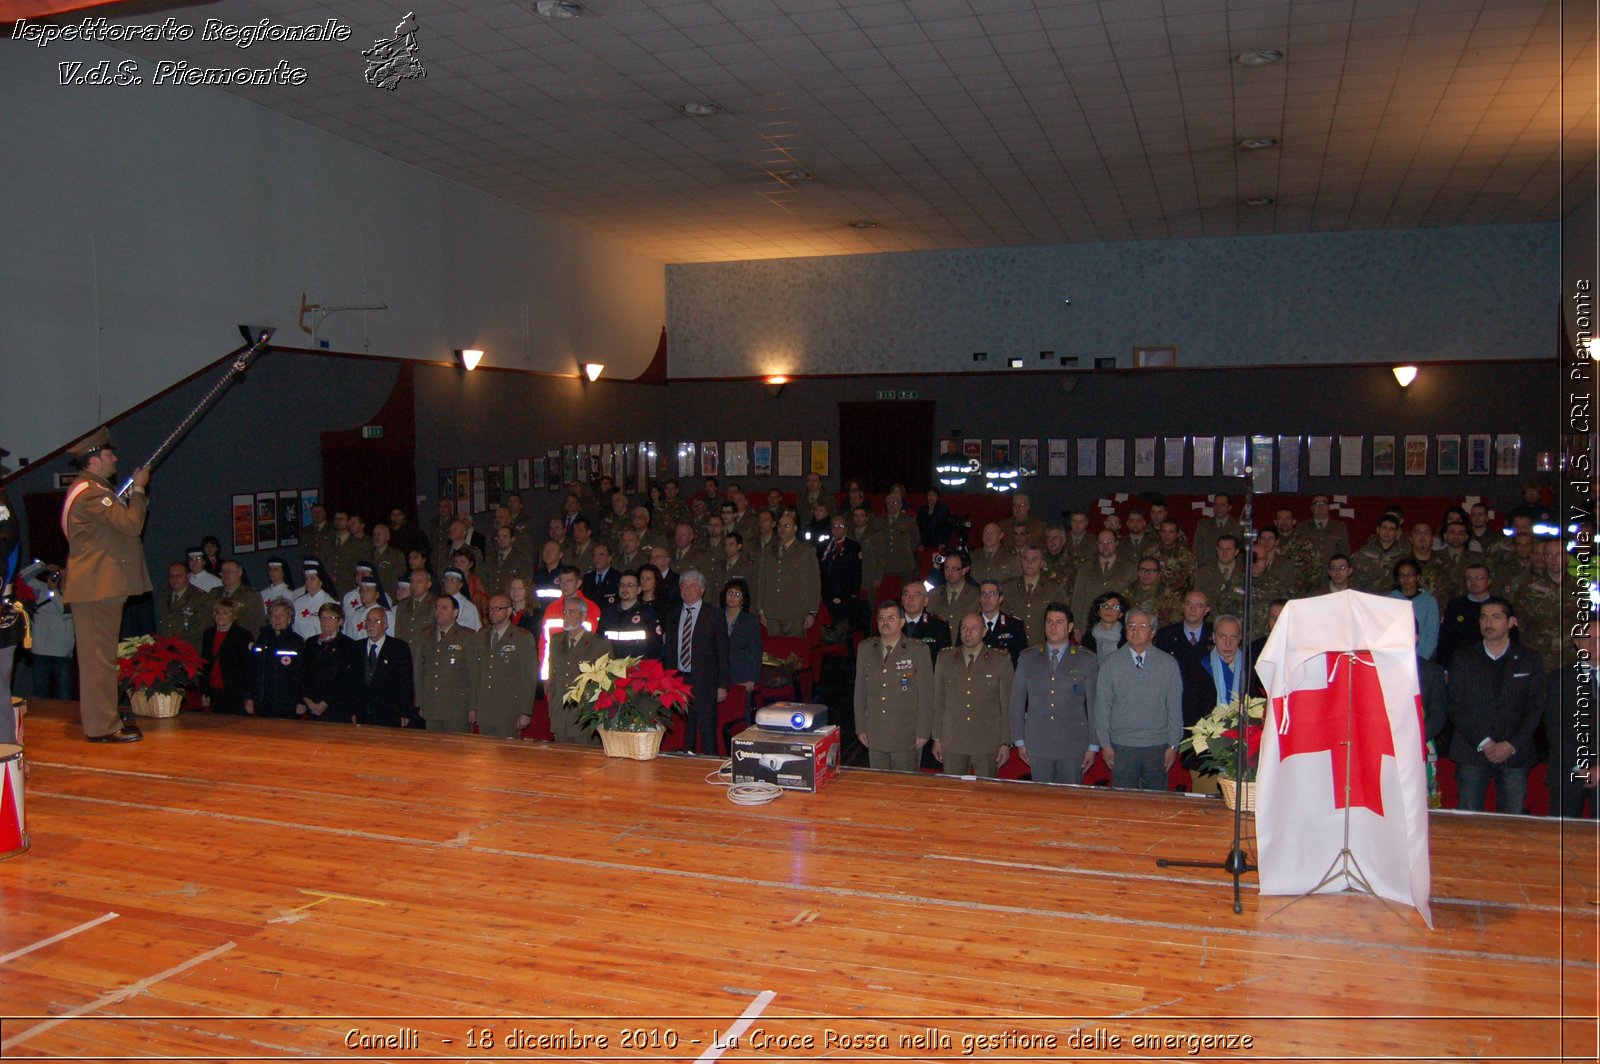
x=98 y=624
x=969 y=765
x=1055 y=769
x=895 y=760
x=1139 y=767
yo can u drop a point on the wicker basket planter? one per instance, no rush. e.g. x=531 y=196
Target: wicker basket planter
x=1231 y=791
x=149 y=704
x=638 y=745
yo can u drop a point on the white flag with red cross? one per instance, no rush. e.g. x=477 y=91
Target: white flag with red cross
x=1343 y=732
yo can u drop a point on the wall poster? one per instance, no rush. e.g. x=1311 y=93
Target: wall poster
x=1028 y=458
x=761 y=458
x=819 y=457
x=288 y=518
x=1416 y=461
x=266 y=520
x=790 y=459
x=1383 y=456
x=244 y=524
x=1057 y=449
x=1450 y=454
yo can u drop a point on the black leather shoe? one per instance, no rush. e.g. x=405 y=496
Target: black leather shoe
x=126 y=734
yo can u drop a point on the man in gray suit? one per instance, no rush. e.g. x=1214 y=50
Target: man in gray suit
x=1050 y=700
x=1138 y=709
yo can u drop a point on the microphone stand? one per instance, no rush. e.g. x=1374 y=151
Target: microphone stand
x=240 y=361
x=1236 y=863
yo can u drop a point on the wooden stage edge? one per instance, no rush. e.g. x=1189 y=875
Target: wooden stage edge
x=234 y=889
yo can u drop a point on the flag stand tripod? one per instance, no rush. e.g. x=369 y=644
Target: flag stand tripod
x=1344 y=864
x=1236 y=864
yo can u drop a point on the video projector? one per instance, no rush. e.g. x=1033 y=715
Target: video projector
x=792 y=716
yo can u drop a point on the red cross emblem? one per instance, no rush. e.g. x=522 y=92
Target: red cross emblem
x=1322 y=719
x=305 y=613
x=361 y=626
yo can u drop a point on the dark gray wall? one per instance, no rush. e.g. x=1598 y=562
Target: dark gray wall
x=263 y=434
x=499 y=417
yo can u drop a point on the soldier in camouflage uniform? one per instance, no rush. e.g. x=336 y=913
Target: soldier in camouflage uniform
x=1536 y=595
x=670 y=512
x=1268 y=581
x=1150 y=593
x=1175 y=558
x=1080 y=543
x=1445 y=574
x=614 y=521
x=1374 y=563
x=1058 y=566
x=1301 y=553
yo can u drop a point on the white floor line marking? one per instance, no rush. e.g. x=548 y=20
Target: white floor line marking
x=893 y=897
x=53 y=939
x=115 y=996
x=740 y=1026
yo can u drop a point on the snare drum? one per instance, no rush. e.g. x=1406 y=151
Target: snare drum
x=13 y=820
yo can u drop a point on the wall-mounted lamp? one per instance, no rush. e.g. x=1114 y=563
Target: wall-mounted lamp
x=1405 y=375
x=469 y=358
x=775 y=384
x=592 y=370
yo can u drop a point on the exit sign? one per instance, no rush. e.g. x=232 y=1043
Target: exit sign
x=908 y=395
x=890 y=393
x=372 y=432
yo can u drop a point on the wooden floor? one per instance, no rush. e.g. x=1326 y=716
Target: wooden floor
x=238 y=889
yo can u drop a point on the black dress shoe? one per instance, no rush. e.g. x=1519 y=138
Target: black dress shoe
x=126 y=734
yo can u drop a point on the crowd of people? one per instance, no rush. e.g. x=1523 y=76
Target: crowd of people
x=1056 y=643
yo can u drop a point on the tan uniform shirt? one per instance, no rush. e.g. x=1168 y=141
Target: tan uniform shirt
x=972 y=702
x=894 y=694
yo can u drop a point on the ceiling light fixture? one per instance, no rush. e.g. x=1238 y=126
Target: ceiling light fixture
x=700 y=109
x=592 y=370
x=775 y=384
x=469 y=358
x=558 y=9
x=1257 y=143
x=1405 y=375
x=1262 y=57
x=863 y=224
x=1258 y=201
x=791 y=175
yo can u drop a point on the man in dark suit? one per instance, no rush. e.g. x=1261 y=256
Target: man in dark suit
x=934 y=523
x=387 y=691
x=920 y=624
x=1496 y=703
x=1190 y=641
x=840 y=569
x=696 y=638
x=600 y=583
x=1001 y=630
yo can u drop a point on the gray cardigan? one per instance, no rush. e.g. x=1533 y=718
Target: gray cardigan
x=1139 y=707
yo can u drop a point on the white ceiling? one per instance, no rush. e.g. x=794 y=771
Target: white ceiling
x=959 y=123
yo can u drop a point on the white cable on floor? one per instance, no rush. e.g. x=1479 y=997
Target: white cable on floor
x=743 y=793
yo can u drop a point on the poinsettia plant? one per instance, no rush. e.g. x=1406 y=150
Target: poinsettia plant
x=162 y=666
x=1213 y=739
x=627 y=694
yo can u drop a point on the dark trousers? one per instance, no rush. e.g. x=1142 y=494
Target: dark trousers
x=700 y=734
x=1510 y=787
